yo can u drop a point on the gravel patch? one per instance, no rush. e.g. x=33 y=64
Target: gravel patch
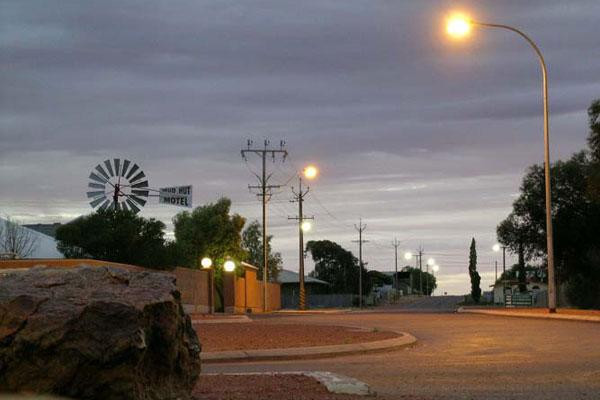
x=258 y=335
x=265 y=387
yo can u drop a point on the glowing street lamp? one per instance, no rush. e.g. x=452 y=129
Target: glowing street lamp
x=435 y=268
x=306 y=226
x=311 y=172
x=408 y=255
x=459 y=26
x=206 y=264
x=431 y=262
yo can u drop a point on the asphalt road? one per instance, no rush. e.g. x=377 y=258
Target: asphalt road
x=462 y=356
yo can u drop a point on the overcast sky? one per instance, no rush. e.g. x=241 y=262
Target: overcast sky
x=423 y=137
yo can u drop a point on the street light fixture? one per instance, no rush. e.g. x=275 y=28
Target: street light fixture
x=207 y=263
x=408 y=255
x=459 y=26
x=309 y=172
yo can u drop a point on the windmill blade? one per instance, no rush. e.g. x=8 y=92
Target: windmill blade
x=143 y=193
x=125 y=166
x=102 y=171
x=132 y=171
x=123 y=206
x=95 y=193
x=99 y=200
x=105 y=205
x=115 y=205
x=143 y=184
x=109 y=167
x=133 y=207
x=96 y=185
x=97 y=178
x=117 y=166
x=141 y=202
x=137 y=177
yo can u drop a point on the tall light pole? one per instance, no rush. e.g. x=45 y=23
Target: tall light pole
x=309 y=172
x=434 y=269
x=460 y=26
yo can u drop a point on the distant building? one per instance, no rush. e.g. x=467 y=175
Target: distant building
x=46 y=229
x=290 y=289
x=45 y=245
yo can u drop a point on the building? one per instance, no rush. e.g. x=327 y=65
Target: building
x=290 y=288
x=44 y=246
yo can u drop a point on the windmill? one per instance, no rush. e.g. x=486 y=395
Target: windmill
x=123 y=185
x=119 y=185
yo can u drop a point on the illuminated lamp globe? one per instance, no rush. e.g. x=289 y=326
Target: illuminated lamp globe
x=496 y=247
x=408 y=255
x=206 y=263
x=311 y=172
x=458 y=26
x=229 y=266
x=306 y=226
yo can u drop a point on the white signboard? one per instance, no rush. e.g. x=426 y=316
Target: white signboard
x=176 y=196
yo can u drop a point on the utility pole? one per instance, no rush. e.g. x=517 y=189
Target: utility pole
x=496 y=272
x=421 y=270
x=396 y=243
x=265 y=193
x=360 y=228
x=299 y=197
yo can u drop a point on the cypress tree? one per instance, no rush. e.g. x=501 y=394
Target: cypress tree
x=475 y=278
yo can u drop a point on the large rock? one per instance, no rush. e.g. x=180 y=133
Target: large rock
x=96 y=333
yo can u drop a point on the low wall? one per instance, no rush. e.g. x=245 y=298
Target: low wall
x=193 y=285
x=240 y=294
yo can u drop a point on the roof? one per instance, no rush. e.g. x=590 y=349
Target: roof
x=287 y=276
x=46 y=229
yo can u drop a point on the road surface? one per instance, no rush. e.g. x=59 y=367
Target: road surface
x=462 y=356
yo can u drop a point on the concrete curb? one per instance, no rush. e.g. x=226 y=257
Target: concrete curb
x=297 y=353
x=229 y=320
x=503 y=313
x=335 y=383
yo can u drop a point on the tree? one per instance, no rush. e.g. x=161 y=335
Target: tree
x=209 y=231
x=115 y=235
x=338 y=267
x=594 y=123
x=15 y=240
x=428 y=279
x=252 y=244
x=475 y=278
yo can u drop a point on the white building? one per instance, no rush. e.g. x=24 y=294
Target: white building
x=45 y=246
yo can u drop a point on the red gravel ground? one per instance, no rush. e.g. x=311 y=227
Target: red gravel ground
x=264 y=387
x=257 y=335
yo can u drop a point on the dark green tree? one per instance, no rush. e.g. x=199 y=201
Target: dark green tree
x=118 y=236
x=209 y=231
x=475 y=278
x=338 y=267
x=252 y=244
x=594 y=123
x=428 y=279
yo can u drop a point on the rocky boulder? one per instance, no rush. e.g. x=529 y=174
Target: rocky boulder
x=96 y=333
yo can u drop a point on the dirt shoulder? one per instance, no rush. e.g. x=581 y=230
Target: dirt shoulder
x=261 y=335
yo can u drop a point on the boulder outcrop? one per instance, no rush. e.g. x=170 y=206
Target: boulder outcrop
x=96 y=333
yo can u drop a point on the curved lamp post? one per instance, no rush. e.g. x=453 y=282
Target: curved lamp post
x=459 y=26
